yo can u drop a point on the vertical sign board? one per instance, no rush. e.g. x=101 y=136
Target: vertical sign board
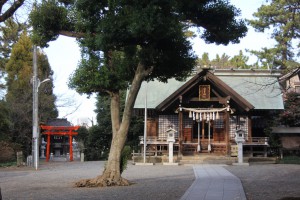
x=204 y=92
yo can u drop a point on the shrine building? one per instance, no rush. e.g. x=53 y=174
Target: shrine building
x=207 y=109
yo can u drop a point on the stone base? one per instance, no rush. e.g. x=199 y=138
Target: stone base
x=173 y=164
x=148 y=164
x=240 y=164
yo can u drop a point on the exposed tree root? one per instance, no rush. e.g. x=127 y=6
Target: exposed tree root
x=100 y=181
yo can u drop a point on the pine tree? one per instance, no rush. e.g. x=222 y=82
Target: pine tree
x=239 y=61
x=282 y=18
x=221 y=62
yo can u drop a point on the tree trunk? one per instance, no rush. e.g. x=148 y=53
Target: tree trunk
x=112 y=174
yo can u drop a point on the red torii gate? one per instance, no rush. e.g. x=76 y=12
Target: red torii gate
x=60 y=130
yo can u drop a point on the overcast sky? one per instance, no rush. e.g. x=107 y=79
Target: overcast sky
x=64 y=54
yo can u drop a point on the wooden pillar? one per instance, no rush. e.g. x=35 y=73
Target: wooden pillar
x=48 y=148
x=249 y=128
x=227 y=137
x=180 y=124
x=180 y=138
x=71 y=147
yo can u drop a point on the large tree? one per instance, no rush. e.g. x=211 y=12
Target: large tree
x=282 y=17
x=19 y=92
x=126 y=42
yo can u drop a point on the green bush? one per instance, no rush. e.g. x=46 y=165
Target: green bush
x=8 y=164
x=290 y=160
x=125 y=155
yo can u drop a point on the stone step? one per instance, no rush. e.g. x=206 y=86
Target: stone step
x=207 y=159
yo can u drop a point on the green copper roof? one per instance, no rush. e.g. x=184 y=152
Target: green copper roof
x=262 y=90
x=156 y=92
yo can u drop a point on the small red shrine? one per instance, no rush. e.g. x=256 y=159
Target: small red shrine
x=59 y=131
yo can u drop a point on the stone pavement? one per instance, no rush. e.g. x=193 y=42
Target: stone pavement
x=213 y=182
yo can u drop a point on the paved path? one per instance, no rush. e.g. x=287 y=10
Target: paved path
x=214 y=182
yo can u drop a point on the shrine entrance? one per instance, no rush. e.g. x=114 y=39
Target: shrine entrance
x=60 y=131
x=203 y=130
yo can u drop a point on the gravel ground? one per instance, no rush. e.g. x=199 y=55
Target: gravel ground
x=55 y=180
x=270 y=181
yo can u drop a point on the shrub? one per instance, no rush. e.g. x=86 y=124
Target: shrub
x=125 y=155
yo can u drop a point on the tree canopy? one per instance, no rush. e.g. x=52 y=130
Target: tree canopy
x=282 y=18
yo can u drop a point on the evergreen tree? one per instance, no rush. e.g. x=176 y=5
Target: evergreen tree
x=10 y=32
x=204 y=60
x=282 y=17
x=239 y=61
x=221 y=62
x=291 y=114
x=19 y=92
x=4 y=122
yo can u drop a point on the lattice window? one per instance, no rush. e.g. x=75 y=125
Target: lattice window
x=219 y=123
x=187 y=122
x=165 y=122
x=238 y=122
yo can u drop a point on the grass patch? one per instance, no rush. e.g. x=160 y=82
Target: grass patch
x=290 y=160
x=8 y=164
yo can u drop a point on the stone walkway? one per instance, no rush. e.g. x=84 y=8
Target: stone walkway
x=214 y=182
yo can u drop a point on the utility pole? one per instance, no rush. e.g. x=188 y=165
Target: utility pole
x=35 y=110
x=35 y=132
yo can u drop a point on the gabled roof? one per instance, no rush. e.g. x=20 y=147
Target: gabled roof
x=260 y=87
x=251 y=89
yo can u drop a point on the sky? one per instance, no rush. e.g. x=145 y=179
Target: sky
x=64 y=55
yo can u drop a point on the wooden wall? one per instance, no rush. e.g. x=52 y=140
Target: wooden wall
x=152 y=127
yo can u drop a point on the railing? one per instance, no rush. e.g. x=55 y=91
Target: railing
x=162 y=139
x=154 y=139
x=257 y=140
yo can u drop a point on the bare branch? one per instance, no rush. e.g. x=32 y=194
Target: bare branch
x=73 y=111
x=11 y=10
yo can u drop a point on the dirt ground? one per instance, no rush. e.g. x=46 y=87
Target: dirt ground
x=269 y=181
x=55 y=181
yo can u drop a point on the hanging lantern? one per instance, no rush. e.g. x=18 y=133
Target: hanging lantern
x=193 y=116
x=213 y=116
x=190 y=114
x=200 y=117
x=204 y=116
x=197 y=116
x=207 y=117
x=217 y=116
x=210 y=116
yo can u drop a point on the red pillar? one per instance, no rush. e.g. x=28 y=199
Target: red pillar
x=71 y=147
x=48 y=148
